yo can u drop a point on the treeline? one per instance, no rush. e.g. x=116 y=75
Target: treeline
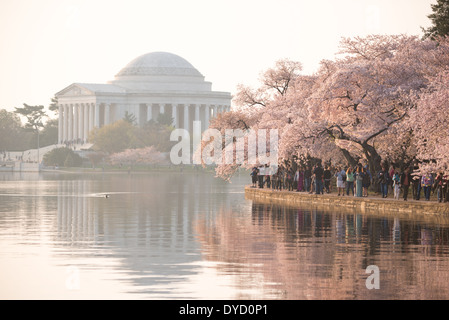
x=126 y=134
x=16 y=135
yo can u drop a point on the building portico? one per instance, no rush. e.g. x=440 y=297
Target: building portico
x=150 y=85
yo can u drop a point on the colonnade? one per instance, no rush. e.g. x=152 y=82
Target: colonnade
x=76 y=120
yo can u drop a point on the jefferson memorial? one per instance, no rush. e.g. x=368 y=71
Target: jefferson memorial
x=154 y=83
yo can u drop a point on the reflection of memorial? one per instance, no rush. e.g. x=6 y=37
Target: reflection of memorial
x=77 y=221
x=84 y=213
x=146 y=222
x=307 y=254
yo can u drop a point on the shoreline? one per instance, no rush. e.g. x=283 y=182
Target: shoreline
x=364 y=205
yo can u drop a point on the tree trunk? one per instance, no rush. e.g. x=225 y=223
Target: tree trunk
x=374 y=163
x=352 y=162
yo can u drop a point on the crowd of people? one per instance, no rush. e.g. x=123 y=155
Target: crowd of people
x=73 y=143
x=354 y=181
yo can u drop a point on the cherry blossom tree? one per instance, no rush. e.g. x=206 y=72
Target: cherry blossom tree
x=274 y=81
x=131 y=157
x=430 y=124
x=371 y=89
x=223 y=146
x=257 y=112
x=356 y=107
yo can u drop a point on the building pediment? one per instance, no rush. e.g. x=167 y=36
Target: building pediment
x=89 y=89
x=75 y=90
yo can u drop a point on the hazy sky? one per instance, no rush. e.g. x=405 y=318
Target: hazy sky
x=48 y=44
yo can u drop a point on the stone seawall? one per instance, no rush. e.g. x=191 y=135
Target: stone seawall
x=438 y=212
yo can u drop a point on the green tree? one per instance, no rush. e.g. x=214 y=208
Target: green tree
x=48 y=135
x=440 y=20
x=11 y=131
x=54 y=105
x=63 y=157
x=154 y=134
x=131 y=118
x=95 y=158
x=35 y=116
x=164 y=119
x=114 y=137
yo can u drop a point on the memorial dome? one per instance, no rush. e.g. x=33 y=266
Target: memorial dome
x=159 y=64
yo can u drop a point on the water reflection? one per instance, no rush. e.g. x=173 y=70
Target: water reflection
x=169 y=236
x=146 y=222
x=308 y=254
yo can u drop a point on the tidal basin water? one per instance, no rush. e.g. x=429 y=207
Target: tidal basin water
x=193 y=236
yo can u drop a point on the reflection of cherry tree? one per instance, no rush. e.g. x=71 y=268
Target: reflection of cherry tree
x=148 y=155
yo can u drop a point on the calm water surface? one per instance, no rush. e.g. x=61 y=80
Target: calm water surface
x=192 y=236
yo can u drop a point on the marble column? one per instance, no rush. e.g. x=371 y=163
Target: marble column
x=196 y=128
x=186 y=117
x=91 y=116
x=149 y=111
x=174 y=112
x=161 y=108
x=197 y=112
x=86 y=122
x=206 y=117
x=97 y=115
x=80 y=122
x=65 y=132
x=107 y=114
x=60 y=123
x=75 y=122
x=70 y=121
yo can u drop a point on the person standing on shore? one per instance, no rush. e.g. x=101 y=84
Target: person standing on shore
x=254 y=176
x=445 y=190
x=391 y=172
x=299 y=177
x=260 y=176
x=358 y=182
x=318 y=173
x=440 y=185
x=396 y=184
x=327 y=175
x=280 y=178
x=268 y=176
x=383 y=177
x=289 y=179
x=406 y=180
x=307 y=178
x=426 y=184
x=341 y=178
x=312 y=181
x=274 y=180
x=349 y=181
x=366 y=181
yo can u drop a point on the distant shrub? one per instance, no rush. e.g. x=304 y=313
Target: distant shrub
x=62 y=157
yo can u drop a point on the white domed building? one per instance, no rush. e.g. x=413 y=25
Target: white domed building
x=154 y=83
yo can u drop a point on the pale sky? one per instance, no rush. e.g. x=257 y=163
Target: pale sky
x=46 y=45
